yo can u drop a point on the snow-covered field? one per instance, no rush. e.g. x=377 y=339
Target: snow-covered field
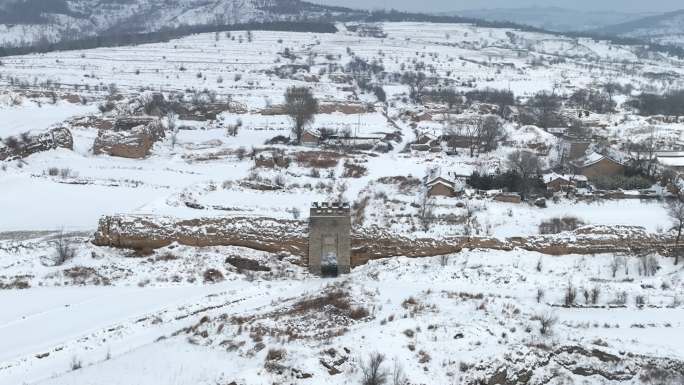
x=431 y=315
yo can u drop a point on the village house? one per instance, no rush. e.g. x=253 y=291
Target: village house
x=311 y=137
x=562 y=182
x=446 y=184
x=597 y=165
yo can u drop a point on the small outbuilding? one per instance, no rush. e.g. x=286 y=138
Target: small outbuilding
x=311 y=137
x=561 y=182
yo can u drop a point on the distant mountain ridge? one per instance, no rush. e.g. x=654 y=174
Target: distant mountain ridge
x=667 y=28
x=553 y=18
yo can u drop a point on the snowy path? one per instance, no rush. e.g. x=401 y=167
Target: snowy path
x=93 y=323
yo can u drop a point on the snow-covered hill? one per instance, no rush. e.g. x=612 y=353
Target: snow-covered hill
x=29 y=21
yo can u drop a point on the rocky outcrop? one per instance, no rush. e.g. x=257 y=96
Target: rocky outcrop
x=273 y=235
x=130 y=138
x=27 y=144
x=535 y=365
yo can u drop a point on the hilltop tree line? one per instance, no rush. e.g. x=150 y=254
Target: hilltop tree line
x=122 y=39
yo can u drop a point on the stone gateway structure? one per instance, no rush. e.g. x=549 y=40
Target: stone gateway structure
x=330 y=239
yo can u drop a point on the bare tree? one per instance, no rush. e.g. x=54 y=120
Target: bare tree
x=643 y=154
x=675 y=209
x=547 y=321
x=450 y=97
x=490 y=133
x=171 y=119
x=64 y=250
x=426 y=213
x=526 y=164
x=416 y=82
x=373 y=373
x=470 y=224
x=615 y=264
x=398 y=376
x=464 y=130
x=301 y=106
x=545 y=107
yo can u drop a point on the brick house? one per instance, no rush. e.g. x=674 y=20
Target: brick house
x=561 y=182
x=311 y=137
x=597 y=165
x=444 y=184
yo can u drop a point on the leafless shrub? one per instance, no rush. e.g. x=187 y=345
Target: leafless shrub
x=654 y=375
x=64 y=250
x=275 y=354
x=212 y=276
x=358 y=313
x=423 y=357
x=65 y=173
x=620 y=298
x=337 y=299
x=76 y=363
x=233 y=129
x=615 y=264
x=106 y=106
x=546 y=322
x=359 y=210
x=443 y=260
x=317 y=159
x=570 y=295
x=372 y=371
x=279 y=180
x=296 y=212
x=540 y=294
x=353 y=170
x=640 y=300
x=648 y=265
x=398 y=376
x=426 y=213
x=594 y=295
x=559 y=225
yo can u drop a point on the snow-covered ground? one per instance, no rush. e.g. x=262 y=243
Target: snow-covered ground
x=431 y=315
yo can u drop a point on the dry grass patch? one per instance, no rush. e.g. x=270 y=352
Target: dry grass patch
x=318 y=159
